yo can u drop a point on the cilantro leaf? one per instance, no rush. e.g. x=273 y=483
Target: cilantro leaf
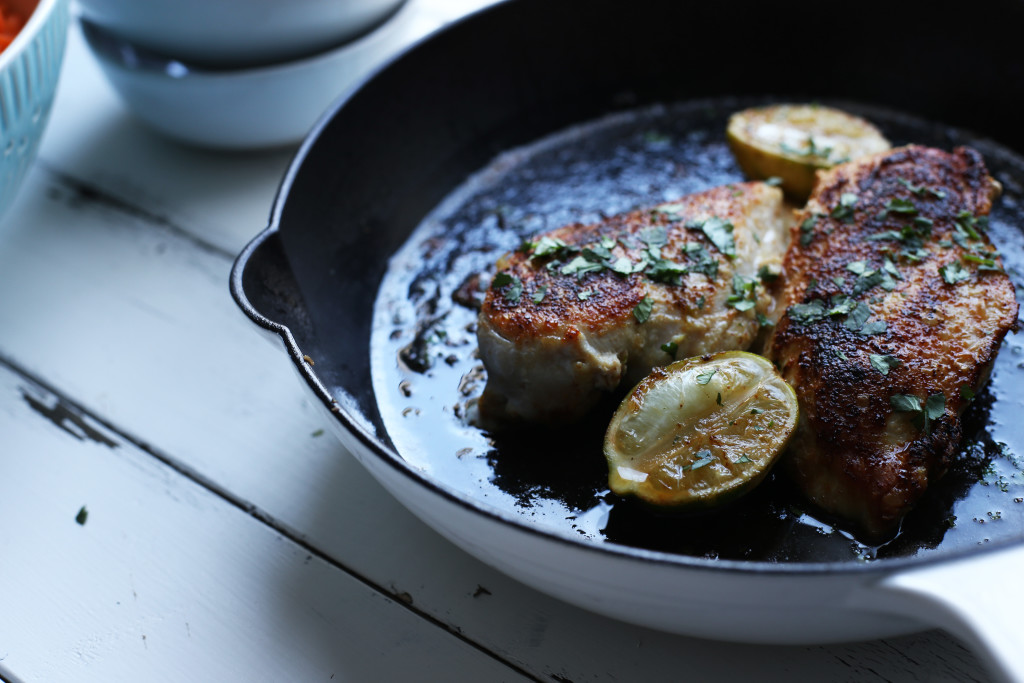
x=875 y=327
x=844 y=210
x=807 y=229
x=511 y=285
x=920 y=190
x=935 y=406
x=642 y=311
x=719 y=231
x=858 y=317
x=883 y=362
x=953 y=272
x=705 y=377
x=905 y=403
x=807 y=313
x=549 y=246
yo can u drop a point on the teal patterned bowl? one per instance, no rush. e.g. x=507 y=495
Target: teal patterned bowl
x=29 y=68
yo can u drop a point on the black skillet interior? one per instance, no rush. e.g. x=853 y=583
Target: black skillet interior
x=379 y=164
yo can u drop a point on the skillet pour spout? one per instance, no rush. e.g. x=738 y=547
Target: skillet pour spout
x=380 y=169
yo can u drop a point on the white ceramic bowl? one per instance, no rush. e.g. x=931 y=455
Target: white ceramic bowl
x=237 y=32
x=247 y=108
x=29 y=69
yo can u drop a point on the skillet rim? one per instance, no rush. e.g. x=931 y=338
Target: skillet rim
x=879 y=567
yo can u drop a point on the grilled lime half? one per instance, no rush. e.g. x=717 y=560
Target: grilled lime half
x=793 y=141
x=700 y=432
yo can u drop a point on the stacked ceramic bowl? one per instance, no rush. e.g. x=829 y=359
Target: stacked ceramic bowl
x=240 y=74
x=29 y=68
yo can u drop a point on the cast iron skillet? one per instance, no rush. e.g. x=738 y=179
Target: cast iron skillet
x=385 y=157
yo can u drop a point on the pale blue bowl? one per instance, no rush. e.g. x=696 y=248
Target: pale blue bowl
x=29 y=68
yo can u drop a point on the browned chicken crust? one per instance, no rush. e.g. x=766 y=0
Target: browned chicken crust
x=586 y=309
x=896 y=305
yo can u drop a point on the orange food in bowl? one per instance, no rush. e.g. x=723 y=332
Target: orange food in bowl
x=11 y=22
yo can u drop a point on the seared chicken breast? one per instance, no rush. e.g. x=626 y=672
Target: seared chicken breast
x=582 y=310
x=895 y=307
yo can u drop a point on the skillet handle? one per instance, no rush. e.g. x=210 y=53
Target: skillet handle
x=978 y=599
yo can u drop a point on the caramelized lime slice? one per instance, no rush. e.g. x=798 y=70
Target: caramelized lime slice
x=793 y=141
x=700 y=432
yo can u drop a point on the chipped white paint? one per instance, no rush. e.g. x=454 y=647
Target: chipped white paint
x=119 y=304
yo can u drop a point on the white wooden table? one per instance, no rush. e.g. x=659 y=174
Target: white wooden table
x=172 y=507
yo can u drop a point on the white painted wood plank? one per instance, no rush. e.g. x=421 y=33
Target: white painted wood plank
x=136 y=324
x=164 y=581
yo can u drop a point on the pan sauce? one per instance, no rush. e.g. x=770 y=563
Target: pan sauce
x=425 y=371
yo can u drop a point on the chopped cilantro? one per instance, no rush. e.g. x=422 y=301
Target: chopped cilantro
x=840 y=304
x=933 y=408
x=596 y=253
x=924 y=225
x=890 y=267
x=857 y=317
x=902 y=206
x=774 y=181
x=743 y=293
x=719 y=231
x=511 y=285
x=580 y=266
x=807 y=229
x=622 y=266
x=642 y=311
x=703 y=261
x=844 y=210
x=876 y=327
x=966 y=393
x=663 y=270
x=704 y=458
x=670 y=348
x=763 y=321
x=654 y=237
x=883 y=362
x=807 y=313
x=953 y=272
x=549 y=246
x=767 y=273
x=705 y=377
x=905 y=403
x=915 y=255
x=539 y=295
x=921 y=190
x=971 y=224
x=983 y=262
x=585 y=294
x=82 y=516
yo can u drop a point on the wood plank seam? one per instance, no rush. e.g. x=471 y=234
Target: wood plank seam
x=87 y=193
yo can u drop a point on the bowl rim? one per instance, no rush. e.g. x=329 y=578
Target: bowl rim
x=110 y=48
x=41 y=13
